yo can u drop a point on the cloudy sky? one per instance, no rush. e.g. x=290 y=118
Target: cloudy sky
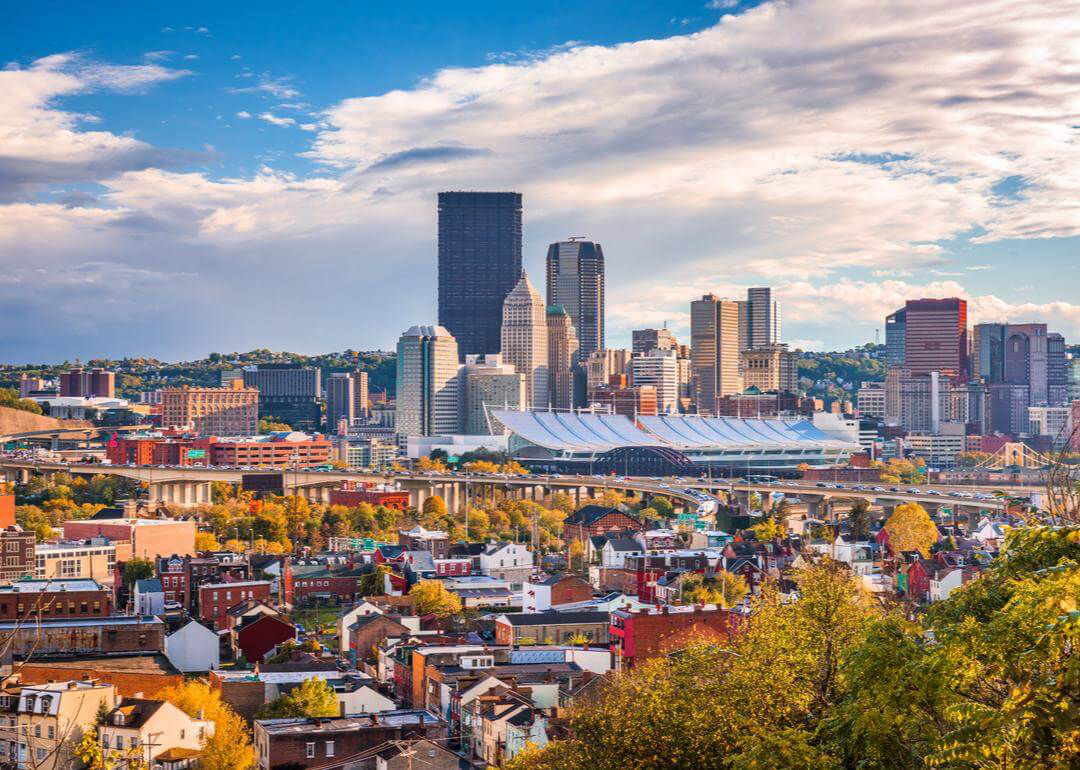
x=206 y=178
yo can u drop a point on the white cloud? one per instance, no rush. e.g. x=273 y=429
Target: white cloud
x=192 y=56
x=235 y=57
x=308 y=127
x=276 y=120
x=244 y=114
x=279 y=88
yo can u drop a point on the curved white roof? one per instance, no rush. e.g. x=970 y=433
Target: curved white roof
x=566 y=431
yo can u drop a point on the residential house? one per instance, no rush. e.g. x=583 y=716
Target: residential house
x=215 y=599
x=255 y=638
x=512 y=562
x=551 y=627
x=540 y=595
x=639 y=636
x=142 y=730
x=501 y=724
x=45 y=722
x=148 y=597
x=193 y=648
x=616 y=549
x=944 y=581
x=413 y=755
x=347 y=617
x=596 y=520
x=368 y=631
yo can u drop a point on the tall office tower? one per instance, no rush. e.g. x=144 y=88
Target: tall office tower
x=645 y=340
x=562 y=355
x=935 y=336
x=772 y=368
x=479 y=264
x=660 y=369
x=988 y=352
x=427 y=382
x=1072 y=369
x=524 y=340
x=360 y=394
x=1018 y=354
x=88 y=383
x=602 y=364
x=231 y=411
x=340 y=400
x=488 y=384
x=761 y=319
x=895 y=342
x=287 y=392
x=575 y=282
x=714 y=343
x=917 y=402
x=1057 y=377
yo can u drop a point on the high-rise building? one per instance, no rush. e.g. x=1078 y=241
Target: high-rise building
x=645 y=340
x=360 y=394
x=918 y=402
x=340 y=400
x=524 y=340
x=659 y=369
x=1054 y=422
x=770 y=368
x=287 y=392
x=602 y=364
x=1072 y=376
x=895 y=338
x=1016 y=354
x=1057 y=375
x=935 y=336
x=88 y=383
x=575 y=282
x=488 y=384
x=479 y=264
x=562 y=356
x=628 y=401
x=427 y=382
x=870 y=400
x=231 y=411
x=714 y=342
x=761 y=324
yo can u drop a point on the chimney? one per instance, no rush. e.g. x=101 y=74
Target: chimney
x=341 y=708
x=374 y=719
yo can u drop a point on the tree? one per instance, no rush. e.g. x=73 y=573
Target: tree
x=859 y=519
x=267 y=425
x=768 y=529
x=576 y=554
x=91 y=753
x=313 y=698
x=432 y=598
x=910 y=528
x=434 y=510
x=229 y=748
x=9 y=397
x=137 y=569
x=724 y=589
x=374 y=583
x=430 y=464
x=205 y=541
x=663 y=507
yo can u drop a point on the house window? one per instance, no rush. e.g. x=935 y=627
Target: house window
x=37 y=731
x=311 y=750
x=52 y=732
x=329 y=748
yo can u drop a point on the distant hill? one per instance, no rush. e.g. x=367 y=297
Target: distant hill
x=18 y=421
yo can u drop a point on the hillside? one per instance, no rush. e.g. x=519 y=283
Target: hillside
x=18 y=421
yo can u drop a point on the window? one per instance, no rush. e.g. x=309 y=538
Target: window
x=134 y=741
x=52 y=732
x=311 y=750
x=182 y=735
x=329 y=748
x=37 y=731
x=39 y=753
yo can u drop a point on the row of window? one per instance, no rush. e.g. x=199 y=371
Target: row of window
x=311 y=749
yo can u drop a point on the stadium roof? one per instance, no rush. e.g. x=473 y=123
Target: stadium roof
x=566 y=431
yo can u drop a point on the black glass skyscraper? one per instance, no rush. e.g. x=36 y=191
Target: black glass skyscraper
x=479 y=264
x=575 y=282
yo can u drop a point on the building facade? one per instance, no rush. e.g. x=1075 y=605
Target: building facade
x=644 y=340
x=288 y=392
x=88 y=383
x=770 y=368
x=562 y=357
x=479 y=264
x=340 y=400
x=575 y=282
x=714 y=342
x=936 y=337
x=761 y=319
x=658 y=368
x=232 y=411
x=488 y=384
x=524 y=340
x=427 y=382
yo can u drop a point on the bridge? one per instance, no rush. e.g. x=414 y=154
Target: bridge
x=190 y=485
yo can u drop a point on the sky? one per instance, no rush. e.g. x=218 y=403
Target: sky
x=180 y=179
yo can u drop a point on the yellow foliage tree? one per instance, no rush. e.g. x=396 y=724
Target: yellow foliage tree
x=229 y=748
x=910 y=528
x=432 y=598
x=427 y=464
x=205 y=541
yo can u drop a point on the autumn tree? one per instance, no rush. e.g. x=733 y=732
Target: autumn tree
x=205 y=541
x=312 y=698
x=434 y=511
x=229 y=748
x=430 y=464
x=910 y=528
x=137 y=569
x=432 y=598
x=859 y=520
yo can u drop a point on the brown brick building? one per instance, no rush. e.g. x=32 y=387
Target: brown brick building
x=79 y=636
x=552 y=627
x=230 y=411
x=55 y=599
x=149 y=538
x=639 y=636
x=215 y=599
x=597 y=520
x=132 y=675
x=368 y=631
x=17 y=557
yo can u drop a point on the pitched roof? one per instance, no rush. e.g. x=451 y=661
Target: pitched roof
x=136 y=711
x=591 y=513
x=149 y=586
x=624 y=544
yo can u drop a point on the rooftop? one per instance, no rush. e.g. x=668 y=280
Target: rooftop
x=113 y=620
x=42 y=586
x=556 y=618
x=302 y=725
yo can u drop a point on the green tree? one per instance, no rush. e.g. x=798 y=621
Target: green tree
x=9 y=397
x=268 y=425
x=432 y=598
x=663 y=507
x=137 y=569
x=859 y=519
x=312 y=698
x=374 y=583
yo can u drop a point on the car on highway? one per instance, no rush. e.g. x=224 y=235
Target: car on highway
x=914 y=491
x=665 y=486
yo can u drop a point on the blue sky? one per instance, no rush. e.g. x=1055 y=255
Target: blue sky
x=175 y=181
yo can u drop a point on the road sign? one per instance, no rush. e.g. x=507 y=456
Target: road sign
x=196 y=454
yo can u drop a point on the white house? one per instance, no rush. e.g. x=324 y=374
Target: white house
x=364 y=700
x=507 y=561
x=363 y=609
x=858 y=555
x=193 y=648
x=150 y=728
x=944 y=582
x=616 y=549
x=148 y=597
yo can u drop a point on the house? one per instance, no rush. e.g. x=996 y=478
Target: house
x=512 y=562
x=616 y=549
x=245 y=611
x=145 y=674
x=540 y=595
x=410 y=755
x=598 y=519
x=148 y=597
x=193 y=648
x=81 y=598
x=347 y=617
x=368 y=631
x=433 y=541
x=481 y=591
x=173 y=574
x=913 y=577
x=146 y=729
x=255 y=638
x=990 y=533
x=501 y=724
x=639 y=636
x=944 y=582
x=215 y=599
x=299 y=743
x=55 y=714
x=551 y=627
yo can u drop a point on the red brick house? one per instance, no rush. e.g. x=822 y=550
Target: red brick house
x=913 y=578
x=80 y=598
x=259 y=636
x=638 y=636
x=215 y=599
x=173 y=573
x=326 y=584
x=596 y=520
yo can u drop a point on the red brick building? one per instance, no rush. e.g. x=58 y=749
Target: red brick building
x=278 y=450
x=342 y=586
x=638 y=636
x=17 y=557
x=597 y=520
x=352 y=494
x=7 y=510
x=149 y=538
x=257 y=637
x=215 y=599
x=55 y=599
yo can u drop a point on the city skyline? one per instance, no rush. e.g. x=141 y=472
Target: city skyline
x=168 y=176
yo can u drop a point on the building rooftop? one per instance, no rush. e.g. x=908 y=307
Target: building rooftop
x=112 y=620
x=42 y=586
x=302 y=725
x=556 y=618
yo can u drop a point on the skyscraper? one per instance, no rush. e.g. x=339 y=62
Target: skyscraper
x=562 y=353
x=479 y=263
x=427 y=382
x=524 y=340
x=935 y=336
x=575 y=282
x=488 y=384
x=894 y=338
x=660 y=369
x=1057 y=377
x=761 y=318
x=645 y=340
x=1018 y=354
x=714 y=342
x=340 y=400
x=360 y=394
x=287 y=392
